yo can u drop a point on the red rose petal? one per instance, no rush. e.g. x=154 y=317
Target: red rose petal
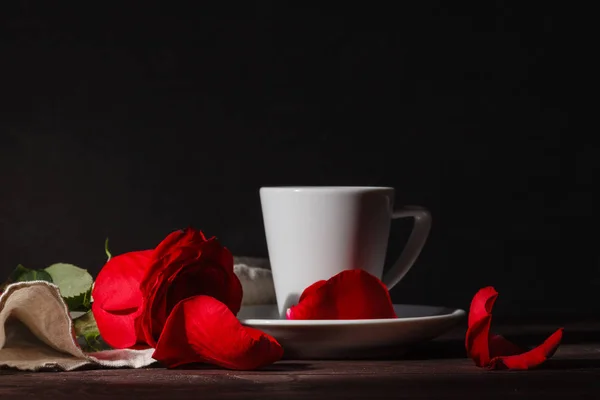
x=311 y=289
x=482 y=304
x=185 y=284
x=179 y=237
x=351 y=294
x=477 y=342
x=118 y=300
x=499 y=346
x=202 y=329
x=531 y=358
x=494 y=351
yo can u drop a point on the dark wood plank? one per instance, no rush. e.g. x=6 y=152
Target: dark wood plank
x=430 y=372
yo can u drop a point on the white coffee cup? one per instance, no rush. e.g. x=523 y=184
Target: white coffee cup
x=315 y=232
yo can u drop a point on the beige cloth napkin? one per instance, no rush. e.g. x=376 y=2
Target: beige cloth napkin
x=36 y=329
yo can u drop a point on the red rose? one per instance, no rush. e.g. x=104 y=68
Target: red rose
x=180 y=298
x=186 y=264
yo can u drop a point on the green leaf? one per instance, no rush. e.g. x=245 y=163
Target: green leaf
x=17 y=272
x=87 y=333
x=22 y=274
x=35 y=275
x=75 y=285
x=80 y=302
x=106 y=250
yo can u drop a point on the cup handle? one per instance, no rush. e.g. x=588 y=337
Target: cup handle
x=415 y=243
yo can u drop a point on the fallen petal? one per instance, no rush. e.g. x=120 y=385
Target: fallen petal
x=482 y=304
x=311 y=289
x=201 y=329
x=477 y=342
x=494 y=351
x=499 y=346
x=531 y=358
x=351 y=294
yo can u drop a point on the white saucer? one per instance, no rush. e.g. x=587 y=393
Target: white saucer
x=355 y=339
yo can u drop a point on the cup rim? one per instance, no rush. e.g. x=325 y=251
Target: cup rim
x=324 y=188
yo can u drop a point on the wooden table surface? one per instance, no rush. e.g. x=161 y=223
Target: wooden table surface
x=438 y=369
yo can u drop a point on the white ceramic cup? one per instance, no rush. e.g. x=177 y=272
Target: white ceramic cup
x=313 y=233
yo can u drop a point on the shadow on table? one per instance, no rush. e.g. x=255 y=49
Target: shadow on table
x=455 y=347
x=456 y=350
x=278 y=367
x=568 y=363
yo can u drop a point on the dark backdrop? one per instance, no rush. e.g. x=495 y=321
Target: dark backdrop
x=130 y=123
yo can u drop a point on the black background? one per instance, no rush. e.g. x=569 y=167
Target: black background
x=129 y=123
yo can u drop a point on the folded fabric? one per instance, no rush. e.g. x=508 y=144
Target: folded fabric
x=256 y=279
x=36 y=330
